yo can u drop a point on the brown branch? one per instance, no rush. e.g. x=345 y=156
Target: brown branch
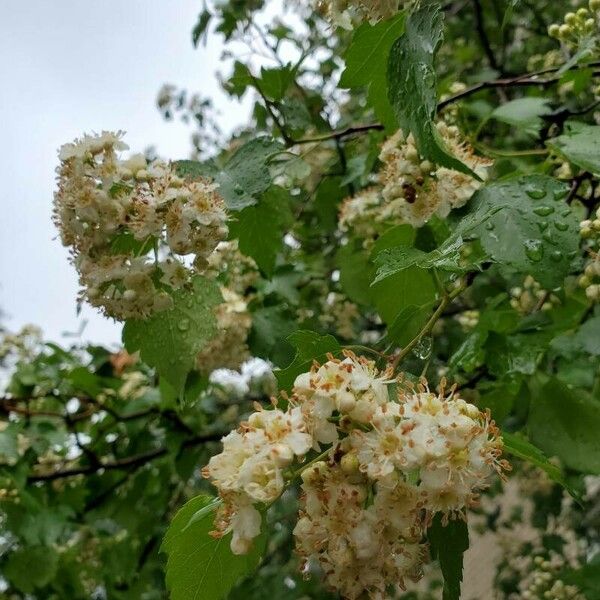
x=128 y=462
x=483 y=38
x=338 y=135
x=524 y=80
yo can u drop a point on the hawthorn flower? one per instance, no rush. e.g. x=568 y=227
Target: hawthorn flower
x=228 y=348
x=415 y=189
x=249 y=470
x=125 y=220
x=392 y=461
x=342 y=12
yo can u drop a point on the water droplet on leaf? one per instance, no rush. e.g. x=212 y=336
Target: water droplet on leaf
x=543 y=211
x=183 y=325
x=561 y=226
x=534 y=250
x=535 y=193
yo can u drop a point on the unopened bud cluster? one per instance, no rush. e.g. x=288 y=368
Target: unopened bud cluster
x=544 y=581
x=531 y=296
x=127 y=221
x=578 y=26
x=468 y=319
x=342 y=13
x=392 y=461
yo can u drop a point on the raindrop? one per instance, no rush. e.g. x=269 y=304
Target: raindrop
x=559 y=194
x=535 y=193
x=489 y=225
x=183 y=325
x=542 y=225
x=556 y=255
x=566 y=213
x=423 y=347
x=561 y=226
x=534 y=250
x=543 y=211
x=238 y=189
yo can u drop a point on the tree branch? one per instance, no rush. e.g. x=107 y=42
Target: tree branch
x=128 y=462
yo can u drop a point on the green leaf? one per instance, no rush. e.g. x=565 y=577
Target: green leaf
x=412 y=84
x=412 y=286
x=585 y=578
x=566 y=423
x=366 y=63
x=260 y=228
x=396 y=259
x=309 y=346
x=522 y=448
x=275 y=82
x=245 y=175
x=200 y=567
x=580 y=144
x=170 y=340
x=523 y=113
x=448 y=544
x=268 y=337
x=199 y=30
x=525 y=225
x=31 y=567
x=408 y=322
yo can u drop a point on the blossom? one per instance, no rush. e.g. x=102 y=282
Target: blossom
x=415 y=189
x=249 y=470
x=125 y=220
x=393 y=460
x=228 y=348
x=342 y=12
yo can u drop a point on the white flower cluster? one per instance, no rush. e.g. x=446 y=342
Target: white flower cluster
x=126 y=220
x=341 y=314
x=393 y=460
x=414 y=189
x=361 y=214
x=531 y=296
x=578 y=27
x=342 y=13
x=249 y=471
x=228 y=349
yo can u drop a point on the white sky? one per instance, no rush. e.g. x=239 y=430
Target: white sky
x=69 y=66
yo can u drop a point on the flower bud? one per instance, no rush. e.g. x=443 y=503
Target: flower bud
x=349 y=463
x=571 y=18
x=564 y=31
x=553 y=30
x=594 y=5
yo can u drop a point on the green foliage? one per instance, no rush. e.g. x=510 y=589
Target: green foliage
x=523 y=113
x=448 y=544
x=519 y=446
x=170 y=340
x=366 y=63
x=244 y=177
x=215 y=569
x=261 y=243
x=32 y=567
x=412 y=83
x=580 y=144
x=565 y=424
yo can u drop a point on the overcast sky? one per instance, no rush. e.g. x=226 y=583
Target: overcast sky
x=70 y=66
